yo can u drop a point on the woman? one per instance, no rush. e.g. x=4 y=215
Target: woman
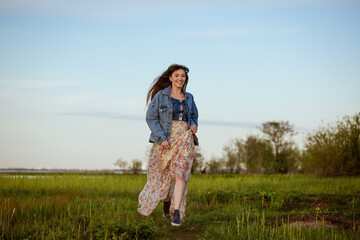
x=172 y=117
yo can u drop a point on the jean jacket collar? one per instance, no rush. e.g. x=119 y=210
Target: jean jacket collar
x=167 y=90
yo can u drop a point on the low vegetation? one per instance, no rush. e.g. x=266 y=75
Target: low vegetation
x=332 y=150
x=229 y=206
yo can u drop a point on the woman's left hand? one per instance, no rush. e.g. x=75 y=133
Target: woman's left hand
x=193 y=129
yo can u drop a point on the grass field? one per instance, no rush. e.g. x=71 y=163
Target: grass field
x=103 y=206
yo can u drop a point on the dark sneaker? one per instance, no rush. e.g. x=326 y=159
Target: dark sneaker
x=176 y=218
x=166 y=208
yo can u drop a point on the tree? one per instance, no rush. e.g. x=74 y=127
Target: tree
x=136 y=166
x=147 y=152
x=121 y=163
x=234 y=155
x=335 y=149
x=292 y=156
x=198 y=163
x=214 y=165
x=277 y=132
x=259 y=156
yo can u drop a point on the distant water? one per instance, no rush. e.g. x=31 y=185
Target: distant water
x=37 y=170
x=25 y=176
x=26 y=170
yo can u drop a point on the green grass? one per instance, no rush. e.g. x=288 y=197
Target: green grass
x=103 y=206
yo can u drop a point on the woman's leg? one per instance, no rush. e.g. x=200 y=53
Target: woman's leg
x=178 y=191
x=166 y=206
x=167 y=197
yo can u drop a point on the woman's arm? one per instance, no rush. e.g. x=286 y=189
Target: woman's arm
x=152 y=119
x=194 y=114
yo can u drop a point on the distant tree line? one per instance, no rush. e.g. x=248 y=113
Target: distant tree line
x=332 y=150
x=335 y=149
x=329 y=151
x=135 y=166
x=273 y=153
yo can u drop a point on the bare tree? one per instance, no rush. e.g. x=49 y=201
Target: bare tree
x=198 y=163
x=136 y=166
x=121 y=163
x=234 y=155
x=147 y=152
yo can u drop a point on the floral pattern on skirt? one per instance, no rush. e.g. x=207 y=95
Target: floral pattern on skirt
x=164 y=165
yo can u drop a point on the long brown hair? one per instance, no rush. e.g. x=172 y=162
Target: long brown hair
x=163 y=81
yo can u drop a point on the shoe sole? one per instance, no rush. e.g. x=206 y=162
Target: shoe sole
x=175 y=224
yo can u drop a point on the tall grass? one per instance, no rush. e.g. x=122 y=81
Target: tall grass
x=103 y=206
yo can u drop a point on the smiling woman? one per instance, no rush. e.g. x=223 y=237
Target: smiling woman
x=172 y=117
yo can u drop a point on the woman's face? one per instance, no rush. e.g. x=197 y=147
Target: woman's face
x=178 y=78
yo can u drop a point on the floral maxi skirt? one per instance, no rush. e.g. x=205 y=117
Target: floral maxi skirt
x=164 y=166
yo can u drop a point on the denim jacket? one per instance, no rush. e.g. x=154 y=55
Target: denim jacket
x=160 y=111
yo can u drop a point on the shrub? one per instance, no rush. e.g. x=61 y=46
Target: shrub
x=334 y=150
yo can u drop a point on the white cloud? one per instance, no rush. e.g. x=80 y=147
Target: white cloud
x=38 y=84
x=53 y=96
x=97 y=103
x=76 y=101
x=103 y=114
x=15 y=89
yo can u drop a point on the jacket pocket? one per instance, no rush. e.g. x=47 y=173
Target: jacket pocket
x=163 y=109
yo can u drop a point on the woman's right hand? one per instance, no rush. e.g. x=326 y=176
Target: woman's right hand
x=165 y=144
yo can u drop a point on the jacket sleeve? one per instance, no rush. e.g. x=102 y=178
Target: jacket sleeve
x=152 y=119
x=194 y=114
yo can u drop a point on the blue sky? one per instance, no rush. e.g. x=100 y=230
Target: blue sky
x=74 y=74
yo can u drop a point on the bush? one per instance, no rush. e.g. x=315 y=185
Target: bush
x=334 y=150
x=142 y=230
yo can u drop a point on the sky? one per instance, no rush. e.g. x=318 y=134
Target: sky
x=74 y=75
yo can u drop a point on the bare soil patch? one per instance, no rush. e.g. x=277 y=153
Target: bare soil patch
x=320 y=220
